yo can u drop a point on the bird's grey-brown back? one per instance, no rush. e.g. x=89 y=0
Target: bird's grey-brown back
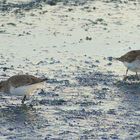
x=22 y=80
x=130 y=56
x=18 y=81
x=21 y=85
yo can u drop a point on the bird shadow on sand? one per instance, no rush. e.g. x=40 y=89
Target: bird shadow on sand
x=16 y=114
x=127 y=91
x=130 y=85
x=23 y=119
x=130 y=90
x=21 y=116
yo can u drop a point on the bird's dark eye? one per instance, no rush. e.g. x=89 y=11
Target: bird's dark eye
x=134 y=51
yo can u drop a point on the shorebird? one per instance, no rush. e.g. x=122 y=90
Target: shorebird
x=131 y=60
x=21 y=85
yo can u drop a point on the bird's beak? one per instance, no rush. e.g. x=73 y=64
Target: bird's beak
x=117 y=59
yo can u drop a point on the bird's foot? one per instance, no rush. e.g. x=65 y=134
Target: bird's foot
x=125 y=78
x=23 y=100
x=31 y=106
x=137 y=77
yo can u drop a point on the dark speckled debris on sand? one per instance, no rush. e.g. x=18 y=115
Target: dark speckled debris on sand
x=73 y=43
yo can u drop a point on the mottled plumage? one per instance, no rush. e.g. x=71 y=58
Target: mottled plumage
x=130 y=56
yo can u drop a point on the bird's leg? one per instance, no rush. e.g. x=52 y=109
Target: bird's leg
x=137 y=75
x=23 y=100
x=125 y=77
x=126 y=72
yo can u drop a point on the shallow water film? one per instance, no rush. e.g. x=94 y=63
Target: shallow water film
x=74 y=44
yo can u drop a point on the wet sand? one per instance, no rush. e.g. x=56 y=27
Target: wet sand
x=72 y=45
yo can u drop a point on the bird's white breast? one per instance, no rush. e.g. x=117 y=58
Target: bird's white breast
x=133 y=66
x=26 y=90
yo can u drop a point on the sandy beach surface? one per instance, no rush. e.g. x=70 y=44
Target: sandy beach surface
x=73 y=44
